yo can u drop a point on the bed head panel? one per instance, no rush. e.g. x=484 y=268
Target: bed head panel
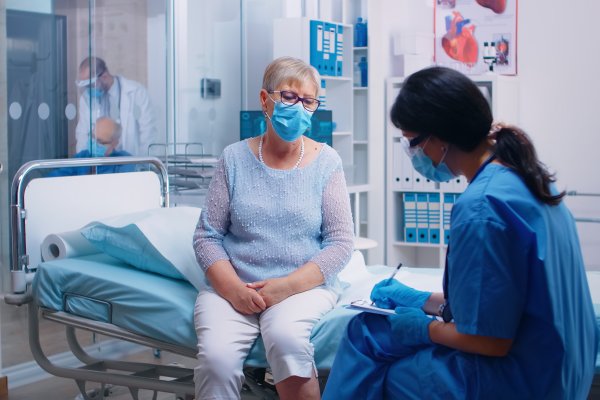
x=60 y=204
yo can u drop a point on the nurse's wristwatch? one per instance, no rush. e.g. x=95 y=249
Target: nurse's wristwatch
x=444 y=312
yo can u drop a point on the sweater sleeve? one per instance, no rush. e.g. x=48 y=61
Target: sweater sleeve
x=337 y=232
x=214 y=221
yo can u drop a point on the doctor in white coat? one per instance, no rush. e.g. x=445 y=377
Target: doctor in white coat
x=123 y=100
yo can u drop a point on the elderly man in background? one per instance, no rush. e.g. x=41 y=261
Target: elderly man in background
x=105 y=141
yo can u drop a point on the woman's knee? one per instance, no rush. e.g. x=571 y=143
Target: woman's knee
x=282 y=342
x=219 y=361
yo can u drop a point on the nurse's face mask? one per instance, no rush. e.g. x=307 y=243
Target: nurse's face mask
x=422 y=163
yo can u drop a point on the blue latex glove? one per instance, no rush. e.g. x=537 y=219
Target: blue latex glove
x=390 y=293
x=410 y=326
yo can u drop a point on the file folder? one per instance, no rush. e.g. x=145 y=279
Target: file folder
x=447 y=209
x=422 y=218
x=339 y=48
x=434 y=218
x=316 y=45
x=410 y=217
x=329 y=34
x=401 y=172
x=323 y=95
x=459 y=184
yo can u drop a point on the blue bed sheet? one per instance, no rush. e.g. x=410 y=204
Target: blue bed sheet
x=105 y=289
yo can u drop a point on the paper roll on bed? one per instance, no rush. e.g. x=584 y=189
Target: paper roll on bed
x=66 y=245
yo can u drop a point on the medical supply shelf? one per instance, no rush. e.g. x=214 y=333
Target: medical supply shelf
x=333 y=57
x=418 y=210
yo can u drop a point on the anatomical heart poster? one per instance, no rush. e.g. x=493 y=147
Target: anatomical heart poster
x=475 y=36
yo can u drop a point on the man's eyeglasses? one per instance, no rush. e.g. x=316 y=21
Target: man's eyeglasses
x=290 y=98
x=88 y=82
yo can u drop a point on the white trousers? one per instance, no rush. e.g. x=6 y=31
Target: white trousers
x=225 y=337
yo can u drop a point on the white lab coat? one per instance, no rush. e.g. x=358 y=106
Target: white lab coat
x=137 y=115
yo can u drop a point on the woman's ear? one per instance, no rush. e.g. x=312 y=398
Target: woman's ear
x=263 y=100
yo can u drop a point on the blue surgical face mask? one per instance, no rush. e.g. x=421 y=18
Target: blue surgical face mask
x=98 y=150
x=290 y=122
x=96 y=93
x=424 y=165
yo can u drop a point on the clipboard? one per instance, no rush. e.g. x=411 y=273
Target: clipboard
x=365 y=305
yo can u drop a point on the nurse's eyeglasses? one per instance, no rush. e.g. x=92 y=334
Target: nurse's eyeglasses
x=417 y=140
x=290 y=98
x=410 y=145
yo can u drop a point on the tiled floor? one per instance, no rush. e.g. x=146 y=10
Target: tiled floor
x=15 y=351
x=66 y=389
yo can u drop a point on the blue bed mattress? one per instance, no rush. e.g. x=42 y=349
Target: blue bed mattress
x=105 y=289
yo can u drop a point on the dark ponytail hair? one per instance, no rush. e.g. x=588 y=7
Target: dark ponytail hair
x=514 y=149
x=444 y=103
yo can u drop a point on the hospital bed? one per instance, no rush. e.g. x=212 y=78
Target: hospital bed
x=107 y=293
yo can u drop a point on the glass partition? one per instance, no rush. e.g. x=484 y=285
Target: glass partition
x=162 y=77
x=83 y=78
x=207 y=99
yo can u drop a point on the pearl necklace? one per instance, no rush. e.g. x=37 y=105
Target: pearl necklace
x=260 y=154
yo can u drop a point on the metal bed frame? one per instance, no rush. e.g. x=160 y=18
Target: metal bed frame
x=584 y=219
x=133 y=375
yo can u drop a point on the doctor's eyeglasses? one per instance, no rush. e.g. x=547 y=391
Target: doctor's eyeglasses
x=290 y=98
x=85 y=83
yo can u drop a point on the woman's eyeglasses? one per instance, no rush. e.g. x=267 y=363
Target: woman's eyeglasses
x=290 y=98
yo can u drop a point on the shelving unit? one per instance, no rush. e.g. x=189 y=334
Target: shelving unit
x=349 y=104
x=401 y=179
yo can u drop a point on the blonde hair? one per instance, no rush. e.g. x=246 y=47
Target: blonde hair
x=290 y=70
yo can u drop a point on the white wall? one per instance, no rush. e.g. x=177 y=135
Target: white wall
x=208 y=46
x=559 y=91
x=257 y=46
x=558 y=59
x=157 y=66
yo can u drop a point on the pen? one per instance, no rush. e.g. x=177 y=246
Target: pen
x=389 y=280
x=393 y=274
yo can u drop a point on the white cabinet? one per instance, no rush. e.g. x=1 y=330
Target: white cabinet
x=347 y=101
x=418 y=211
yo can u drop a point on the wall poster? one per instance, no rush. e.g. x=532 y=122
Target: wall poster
x=475 y=36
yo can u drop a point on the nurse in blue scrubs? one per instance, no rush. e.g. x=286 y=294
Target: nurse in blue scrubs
x=515 y=319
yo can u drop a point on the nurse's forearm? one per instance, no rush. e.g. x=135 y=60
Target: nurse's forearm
x=433 y=303
x=447 y=335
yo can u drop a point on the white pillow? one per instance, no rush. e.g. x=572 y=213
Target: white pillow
x=355 y=269
x=157 y=240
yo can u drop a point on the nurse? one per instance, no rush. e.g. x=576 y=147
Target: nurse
x=516 y=317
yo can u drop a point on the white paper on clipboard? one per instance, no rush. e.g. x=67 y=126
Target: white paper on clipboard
x=365 y=305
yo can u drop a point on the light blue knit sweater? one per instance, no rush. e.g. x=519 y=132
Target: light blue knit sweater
x=270 y=222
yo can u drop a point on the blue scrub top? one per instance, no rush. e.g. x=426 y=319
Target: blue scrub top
x=516 y=271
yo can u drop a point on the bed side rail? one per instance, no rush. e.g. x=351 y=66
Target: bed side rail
x=21 y=271
x=592 y=220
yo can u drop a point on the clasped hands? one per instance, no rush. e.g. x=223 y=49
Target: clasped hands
x=257 y=296
x=410 y=324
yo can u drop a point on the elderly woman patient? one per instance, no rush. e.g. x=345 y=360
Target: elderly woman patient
x=275 y=231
